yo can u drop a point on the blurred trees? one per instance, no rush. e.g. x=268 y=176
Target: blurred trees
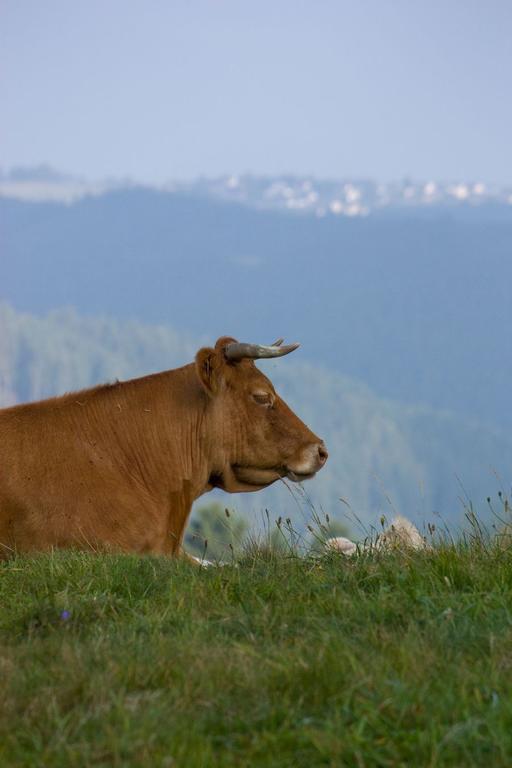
x=215 y=533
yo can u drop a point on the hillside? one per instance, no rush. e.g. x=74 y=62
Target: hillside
x=378 y=448
x=415 y=305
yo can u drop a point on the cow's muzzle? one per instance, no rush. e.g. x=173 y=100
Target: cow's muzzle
x=311 y=460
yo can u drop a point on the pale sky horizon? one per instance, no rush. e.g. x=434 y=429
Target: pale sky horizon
x=161 y=90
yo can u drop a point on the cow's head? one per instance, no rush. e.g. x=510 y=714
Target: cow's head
x=254 y=437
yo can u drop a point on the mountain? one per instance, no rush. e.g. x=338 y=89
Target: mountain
x=303 y=195
x=418 y=307
x=383 y=455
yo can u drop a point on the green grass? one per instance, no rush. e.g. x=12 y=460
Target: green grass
x=382 y=660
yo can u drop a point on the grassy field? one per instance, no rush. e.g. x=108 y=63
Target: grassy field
x=381 y=660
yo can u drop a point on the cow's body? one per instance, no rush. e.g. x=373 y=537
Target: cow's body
x=119 y=466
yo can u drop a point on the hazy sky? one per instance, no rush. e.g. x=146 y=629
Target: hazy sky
x=161 y=89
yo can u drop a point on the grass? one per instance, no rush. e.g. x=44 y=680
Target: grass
x=382 y=660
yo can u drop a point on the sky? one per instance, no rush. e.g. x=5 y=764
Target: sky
x=157 y=90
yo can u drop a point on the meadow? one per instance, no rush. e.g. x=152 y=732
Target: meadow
x=385 y=659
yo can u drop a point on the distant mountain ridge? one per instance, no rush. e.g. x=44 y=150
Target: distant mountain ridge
x=418 y=308
x=306 y=195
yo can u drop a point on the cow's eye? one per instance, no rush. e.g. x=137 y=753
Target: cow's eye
x=262 y=398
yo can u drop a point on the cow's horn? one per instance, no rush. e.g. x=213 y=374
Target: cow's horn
x=237 y=351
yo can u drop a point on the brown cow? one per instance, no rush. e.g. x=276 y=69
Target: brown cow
x=118 y=466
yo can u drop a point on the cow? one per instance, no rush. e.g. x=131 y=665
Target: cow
x=117 y=467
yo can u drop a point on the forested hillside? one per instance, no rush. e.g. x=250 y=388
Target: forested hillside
x=378 y=449
x=417 y=306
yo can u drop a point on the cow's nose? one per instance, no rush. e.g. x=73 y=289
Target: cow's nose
x=323 y=454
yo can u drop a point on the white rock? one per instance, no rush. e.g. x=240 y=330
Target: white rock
x=341 y=544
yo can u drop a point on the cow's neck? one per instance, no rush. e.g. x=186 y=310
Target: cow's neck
x=171 y=441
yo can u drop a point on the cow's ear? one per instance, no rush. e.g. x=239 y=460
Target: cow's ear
x=208 y=365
